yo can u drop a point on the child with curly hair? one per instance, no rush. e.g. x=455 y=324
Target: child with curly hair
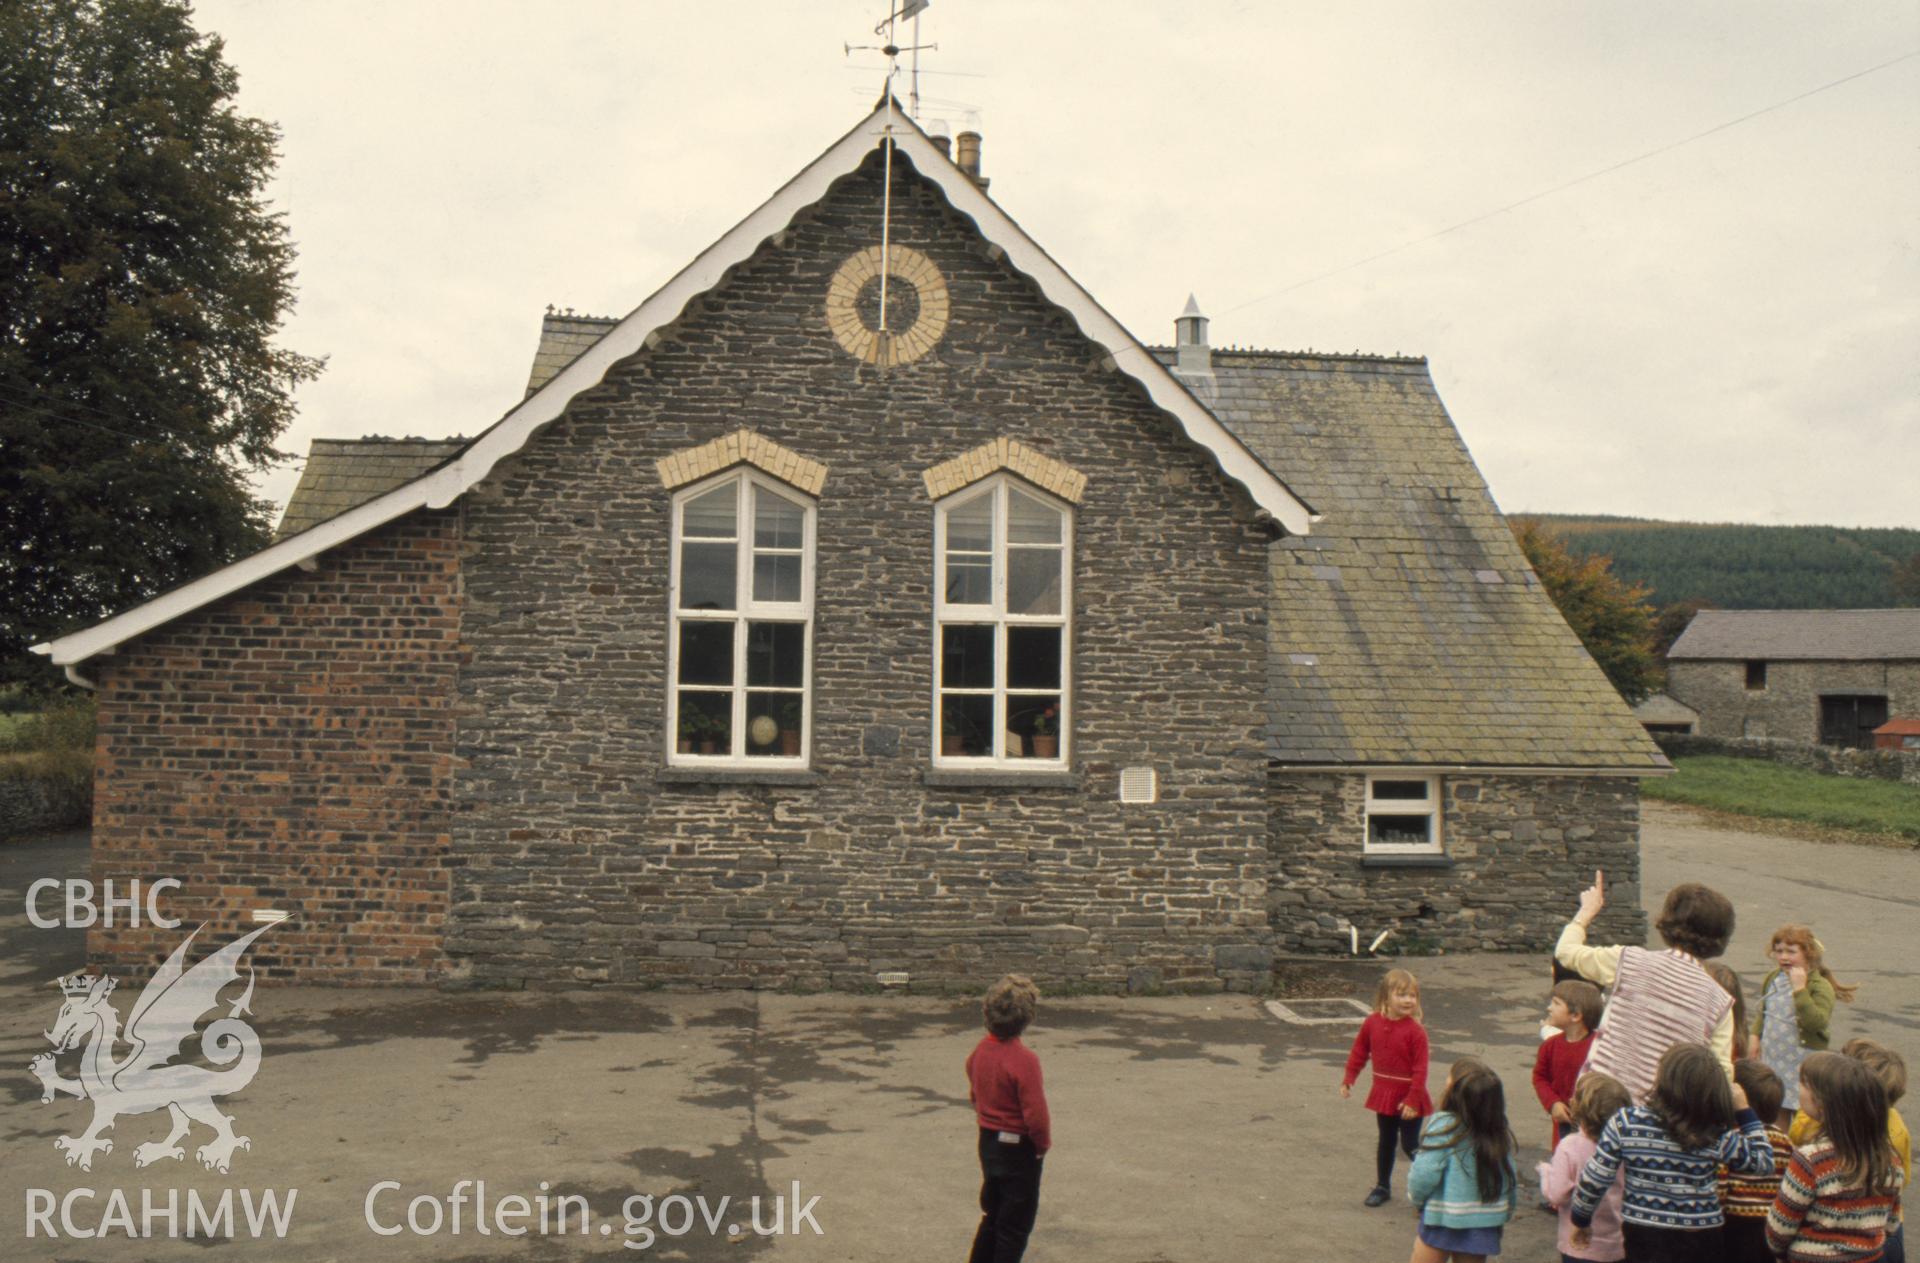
x=1796 y=1009
x=1010 y=1105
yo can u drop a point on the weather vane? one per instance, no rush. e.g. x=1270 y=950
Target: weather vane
x=887 y=29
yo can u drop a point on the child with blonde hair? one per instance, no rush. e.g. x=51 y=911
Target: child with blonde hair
x=1395 y=1041
x=1839 y=1192
x=1596 y=1099
x=1796 y=1007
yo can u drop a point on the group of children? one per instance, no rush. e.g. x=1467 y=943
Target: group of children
x=1798 y=1156
x=1679 y=1130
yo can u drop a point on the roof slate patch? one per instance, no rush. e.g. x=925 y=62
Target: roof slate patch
x=341 y=474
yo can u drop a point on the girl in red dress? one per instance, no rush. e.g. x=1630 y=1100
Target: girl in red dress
x=1394 y=1040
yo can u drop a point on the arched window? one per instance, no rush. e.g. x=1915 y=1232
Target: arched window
x=740 y=657
x=1002 y=613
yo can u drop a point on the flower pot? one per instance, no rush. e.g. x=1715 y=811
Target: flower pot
x=952 y=744
x=789 y=742
x=709 y=746
x=686 y=745
x=1045 y=746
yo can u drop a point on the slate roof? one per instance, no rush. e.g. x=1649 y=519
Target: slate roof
x=1407 y=628
x=1828 y=635
x=563 y=335
x=343 y=473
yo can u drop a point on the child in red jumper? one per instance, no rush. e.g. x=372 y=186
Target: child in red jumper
x=1003 y=1082
x=1573 y=1012
x=1396 y=1042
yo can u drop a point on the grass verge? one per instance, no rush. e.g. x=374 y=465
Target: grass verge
x=1756 y=788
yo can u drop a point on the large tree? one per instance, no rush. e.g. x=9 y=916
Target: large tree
x=142 y=279
x=1611 y=617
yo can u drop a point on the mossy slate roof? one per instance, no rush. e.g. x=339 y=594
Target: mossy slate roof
x=1829 y=635
x=1407 y=627
x=341 y=474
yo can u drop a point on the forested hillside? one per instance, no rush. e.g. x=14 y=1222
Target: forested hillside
x=1747 y=567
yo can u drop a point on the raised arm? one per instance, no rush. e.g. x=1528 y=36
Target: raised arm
x=1596 y=964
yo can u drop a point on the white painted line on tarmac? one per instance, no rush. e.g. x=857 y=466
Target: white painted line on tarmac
x=1318 y=1012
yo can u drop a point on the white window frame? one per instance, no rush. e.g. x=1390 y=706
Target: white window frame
x=746 y=610
x=999 y=486
x=1430 y=807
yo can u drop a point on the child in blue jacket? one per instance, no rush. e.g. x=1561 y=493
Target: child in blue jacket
x=1463 y=1179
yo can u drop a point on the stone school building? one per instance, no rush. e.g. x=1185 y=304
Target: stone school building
x=869 y=601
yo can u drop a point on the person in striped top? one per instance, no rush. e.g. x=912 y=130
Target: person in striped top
x=1839 y=1190
x=1659 y=998
x=1745 y=1199
x=1671 y=1151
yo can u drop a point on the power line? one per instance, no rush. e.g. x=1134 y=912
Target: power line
x=1577 y=180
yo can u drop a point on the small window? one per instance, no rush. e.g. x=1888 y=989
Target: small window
x=1403 y=814
x=1756 y=675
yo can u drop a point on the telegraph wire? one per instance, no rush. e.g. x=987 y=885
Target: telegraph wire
x=1577 y=180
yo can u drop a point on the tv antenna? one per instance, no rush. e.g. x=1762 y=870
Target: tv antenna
x=887 y=28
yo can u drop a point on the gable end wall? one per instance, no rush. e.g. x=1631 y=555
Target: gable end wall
x=580 y=864
x=291 y=747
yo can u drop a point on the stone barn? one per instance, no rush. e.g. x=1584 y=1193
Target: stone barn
x=869 y=601
x=1827 y=677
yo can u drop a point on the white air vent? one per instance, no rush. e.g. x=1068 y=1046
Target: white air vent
x=892 y=978
x=1137 y=785
x=268 y=916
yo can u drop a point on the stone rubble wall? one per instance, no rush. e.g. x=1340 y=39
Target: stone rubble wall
x=1518 y=851
x=1882 y=765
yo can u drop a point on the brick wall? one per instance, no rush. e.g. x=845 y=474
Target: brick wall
x=579 y=863
x=292 y=747
x=1788 y=708
x=1518 y=851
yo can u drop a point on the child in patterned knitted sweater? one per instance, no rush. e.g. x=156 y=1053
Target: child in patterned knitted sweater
x=1671 y=1150
x=1745 y=1199
x=1891 y=1069
x=1397 y=1044
x=1840 y=1189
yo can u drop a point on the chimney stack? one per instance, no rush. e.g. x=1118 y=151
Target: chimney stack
x=1190 y=340
x=967 y=156
x=937 y=133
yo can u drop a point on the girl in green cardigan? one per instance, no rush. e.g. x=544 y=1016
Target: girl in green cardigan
x=1795 y=1010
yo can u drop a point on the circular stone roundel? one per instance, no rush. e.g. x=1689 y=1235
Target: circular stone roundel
x=927 y=306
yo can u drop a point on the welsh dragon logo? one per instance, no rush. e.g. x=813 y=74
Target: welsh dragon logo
x=150 y=1077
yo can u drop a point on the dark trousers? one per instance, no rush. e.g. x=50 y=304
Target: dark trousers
x=1009 y=1199
x=1896 y=1247
x=1746 y=1239
x=1673 y=1245
x=1393 y=1128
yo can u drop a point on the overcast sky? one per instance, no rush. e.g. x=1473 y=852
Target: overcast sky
x=1728 y=331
